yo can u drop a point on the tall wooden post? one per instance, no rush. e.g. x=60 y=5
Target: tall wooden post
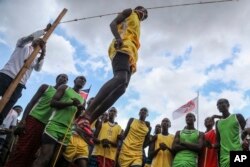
x=28 y=63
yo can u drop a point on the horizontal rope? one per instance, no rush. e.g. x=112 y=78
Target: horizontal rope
x=152 y=8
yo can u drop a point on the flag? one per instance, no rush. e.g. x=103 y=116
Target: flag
x=190 y=106
x=84 y=93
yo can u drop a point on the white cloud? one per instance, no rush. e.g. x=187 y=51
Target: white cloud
x=59 y=56
x=19 y=19
x=3 y=41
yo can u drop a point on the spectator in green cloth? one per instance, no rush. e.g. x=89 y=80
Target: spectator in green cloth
x=187 y=144
x=66 y=103
x=35 y=117
x=228 y=140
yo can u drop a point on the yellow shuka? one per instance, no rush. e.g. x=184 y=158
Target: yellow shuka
x=129 y=31
x=163 y=158
x=76 y=149
x=132 y=149
x=108 y=131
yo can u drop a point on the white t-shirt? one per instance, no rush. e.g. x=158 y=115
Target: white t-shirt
x=10 y=120
x=18 y=57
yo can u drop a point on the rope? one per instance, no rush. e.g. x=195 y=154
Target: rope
x=152 y=8
x=190 y=4
x=91 y=17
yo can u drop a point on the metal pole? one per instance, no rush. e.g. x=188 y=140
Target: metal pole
x=198 y=110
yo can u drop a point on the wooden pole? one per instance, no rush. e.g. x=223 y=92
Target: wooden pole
x=8 y=93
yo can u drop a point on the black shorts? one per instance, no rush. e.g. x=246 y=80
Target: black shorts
x=5 y=82
x=46 y=139
x=121 y=62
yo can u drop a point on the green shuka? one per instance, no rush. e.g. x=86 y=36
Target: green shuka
x=230 y=138
x=42 y=110
x=187 y=158
x=60 y=123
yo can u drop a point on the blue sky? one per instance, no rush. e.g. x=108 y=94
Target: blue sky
x=183 y=50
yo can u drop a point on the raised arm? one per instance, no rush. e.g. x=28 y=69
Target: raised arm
x=25 y=40
x=28 y=39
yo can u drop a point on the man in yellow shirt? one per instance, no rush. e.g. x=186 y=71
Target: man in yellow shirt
x=157 y=131
x=123 y=54
x=136 y=137
x=107 y=135
x=160 y=150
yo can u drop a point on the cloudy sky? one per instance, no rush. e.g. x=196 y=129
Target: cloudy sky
x=183 y=50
